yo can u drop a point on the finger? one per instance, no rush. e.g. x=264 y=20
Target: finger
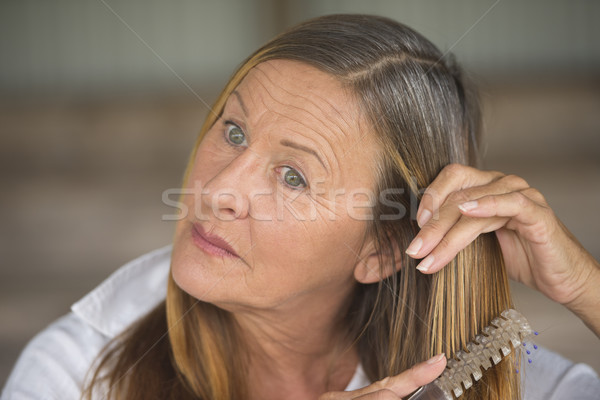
x=463 y=233
x=506 y=205
x=523 y=211
x=451 y=178
x=434 y=231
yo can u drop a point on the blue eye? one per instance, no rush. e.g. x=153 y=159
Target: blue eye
x=293 y=178
x=234 y=134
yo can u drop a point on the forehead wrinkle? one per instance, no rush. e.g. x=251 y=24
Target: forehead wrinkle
x=279 y=115
x=350 y=122
x=329 y=166
x=309 y=100
x=335 y=109
x=283 y=116
x=323 y=124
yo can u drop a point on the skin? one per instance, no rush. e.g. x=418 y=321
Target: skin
x=288 y=287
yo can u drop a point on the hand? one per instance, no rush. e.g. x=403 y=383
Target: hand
x=396 y=387
x=538 y=249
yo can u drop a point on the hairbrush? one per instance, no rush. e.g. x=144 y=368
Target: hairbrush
x=484 y=351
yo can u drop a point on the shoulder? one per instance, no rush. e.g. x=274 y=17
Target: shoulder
x=130 y=292
x=552 y=377
x=54 y=363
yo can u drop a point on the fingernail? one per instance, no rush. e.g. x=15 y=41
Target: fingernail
x=469 y=205
x=423 y=218
x=436 y=359
x=414 y=247
x=426 y=263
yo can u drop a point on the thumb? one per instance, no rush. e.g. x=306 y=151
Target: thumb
x=417 y=376
x=396 y=386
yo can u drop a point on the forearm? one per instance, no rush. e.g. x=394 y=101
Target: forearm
x=587 y=305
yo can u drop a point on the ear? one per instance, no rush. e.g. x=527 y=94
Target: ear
x=367 y=268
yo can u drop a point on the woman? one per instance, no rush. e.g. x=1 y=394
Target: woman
x=295 y=271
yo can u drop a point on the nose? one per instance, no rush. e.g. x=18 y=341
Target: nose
x=227 y=193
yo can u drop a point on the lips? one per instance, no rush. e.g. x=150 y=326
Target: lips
x=211 y=244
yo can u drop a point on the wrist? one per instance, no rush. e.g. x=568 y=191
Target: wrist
x=586 y=303
x=589 y=279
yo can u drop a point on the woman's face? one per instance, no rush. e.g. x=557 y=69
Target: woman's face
x=283 y=176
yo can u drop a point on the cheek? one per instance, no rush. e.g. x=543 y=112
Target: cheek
x=315 y=238
x=307 y=254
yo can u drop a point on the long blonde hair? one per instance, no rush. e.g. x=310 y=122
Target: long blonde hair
x=425 y=117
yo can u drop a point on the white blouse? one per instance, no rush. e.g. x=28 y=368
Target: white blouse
x=54 y=363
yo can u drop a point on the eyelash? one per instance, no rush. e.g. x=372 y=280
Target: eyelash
x=230 y=124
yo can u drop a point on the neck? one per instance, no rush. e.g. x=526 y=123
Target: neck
x=299 y=350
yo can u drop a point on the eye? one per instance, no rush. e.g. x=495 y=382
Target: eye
x=234 y=134
x=293 y=178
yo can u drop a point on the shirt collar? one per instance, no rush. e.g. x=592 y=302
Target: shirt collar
x=127 y=294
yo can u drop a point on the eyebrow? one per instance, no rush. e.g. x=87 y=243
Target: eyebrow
x=297 y=146
x=239 y=97
x=283 y=142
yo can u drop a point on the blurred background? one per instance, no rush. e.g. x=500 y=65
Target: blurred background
x=100 y=102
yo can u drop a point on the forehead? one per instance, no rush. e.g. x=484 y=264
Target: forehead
x=310 y=105
x=301 y=87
